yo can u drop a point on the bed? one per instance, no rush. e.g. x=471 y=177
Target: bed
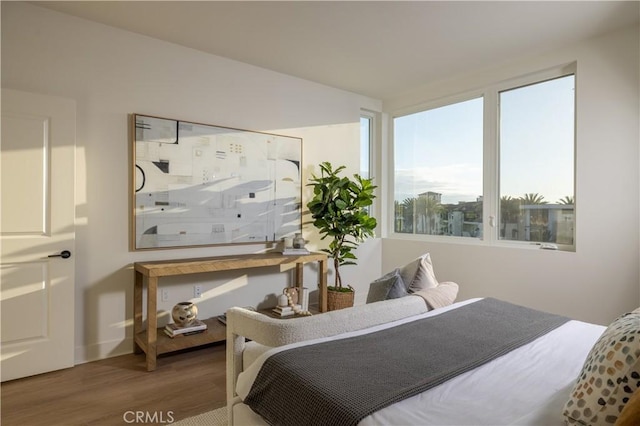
x=538 y=380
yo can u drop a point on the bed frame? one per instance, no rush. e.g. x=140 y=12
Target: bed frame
x=243 y=325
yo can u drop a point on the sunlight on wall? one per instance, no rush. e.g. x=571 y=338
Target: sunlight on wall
x=337 y=143
x=225 y=288
x=81 y=187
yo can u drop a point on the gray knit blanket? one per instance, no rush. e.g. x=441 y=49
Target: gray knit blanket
x=340 y=382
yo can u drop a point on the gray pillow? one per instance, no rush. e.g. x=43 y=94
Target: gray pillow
x=389 y=286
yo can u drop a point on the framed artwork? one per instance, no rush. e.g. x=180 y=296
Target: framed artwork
x=198 y=184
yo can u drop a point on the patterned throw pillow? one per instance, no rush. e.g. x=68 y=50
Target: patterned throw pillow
x=418 y=274
x=609 y=377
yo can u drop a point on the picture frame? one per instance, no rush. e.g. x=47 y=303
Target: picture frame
x=199 y=184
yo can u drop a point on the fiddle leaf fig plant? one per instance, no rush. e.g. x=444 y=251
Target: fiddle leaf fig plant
x=339 y=211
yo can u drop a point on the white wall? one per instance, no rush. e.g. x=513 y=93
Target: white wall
x=600 y=280
x=112 y=73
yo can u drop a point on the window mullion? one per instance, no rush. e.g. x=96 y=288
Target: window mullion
x=490 y=167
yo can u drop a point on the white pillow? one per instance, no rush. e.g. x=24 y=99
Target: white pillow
x=418 y=274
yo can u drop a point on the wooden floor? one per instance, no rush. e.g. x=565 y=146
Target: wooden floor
x=109 y=392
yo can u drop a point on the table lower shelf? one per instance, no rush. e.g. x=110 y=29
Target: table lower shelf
x=215 y=332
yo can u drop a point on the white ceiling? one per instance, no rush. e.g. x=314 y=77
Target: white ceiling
x=376 y=48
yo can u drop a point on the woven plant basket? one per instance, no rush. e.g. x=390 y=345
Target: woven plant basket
x=339 y=299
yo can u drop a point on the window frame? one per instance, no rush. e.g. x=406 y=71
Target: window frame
x=370 y=116
x=490 y=162
x=373 y=157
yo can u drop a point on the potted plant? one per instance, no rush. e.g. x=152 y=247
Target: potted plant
x=339 y=211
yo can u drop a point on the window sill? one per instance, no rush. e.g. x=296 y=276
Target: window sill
x=470 y=241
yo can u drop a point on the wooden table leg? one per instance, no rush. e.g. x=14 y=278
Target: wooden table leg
x=152 y=322
x=322 y=285
x=137 y=310
x=299 y=275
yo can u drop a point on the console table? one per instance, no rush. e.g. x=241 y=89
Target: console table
x=153 y=342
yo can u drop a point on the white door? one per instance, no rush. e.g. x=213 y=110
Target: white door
x=37 y=168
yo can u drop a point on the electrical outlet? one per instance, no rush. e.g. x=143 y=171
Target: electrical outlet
x=197 y=291
x=165 y=295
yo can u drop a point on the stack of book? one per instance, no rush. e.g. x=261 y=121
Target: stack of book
x=295 y=251
x=285 y=311
x=197 y=326
x=223 y=318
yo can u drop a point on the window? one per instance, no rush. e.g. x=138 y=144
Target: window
x=494 y=166
x=438 y=171
x=367 y=120
x=536 y=131
x=366 y=139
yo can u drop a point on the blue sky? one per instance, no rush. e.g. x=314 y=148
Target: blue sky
x=441 y=149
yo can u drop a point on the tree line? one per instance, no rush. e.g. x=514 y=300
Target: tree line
x=421 y=214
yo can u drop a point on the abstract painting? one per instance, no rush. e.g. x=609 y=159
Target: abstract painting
x=197 y=184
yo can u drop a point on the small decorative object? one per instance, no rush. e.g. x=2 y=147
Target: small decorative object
x=298 y=241
x=295 y=246
x=184 y=313
x=291 y=306
x=339 y=211
x=282 y=300
x=303 y=298
x=288 y=243
x=290 y=292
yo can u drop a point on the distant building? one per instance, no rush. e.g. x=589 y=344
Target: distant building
x=533 y=222
x=430 y=195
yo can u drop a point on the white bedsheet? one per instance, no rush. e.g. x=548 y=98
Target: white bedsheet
x=528 y=386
